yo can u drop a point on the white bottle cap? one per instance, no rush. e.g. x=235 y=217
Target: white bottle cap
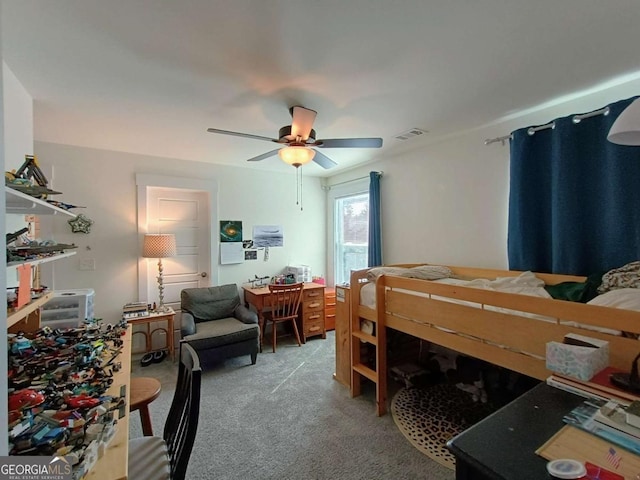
x=566 y=468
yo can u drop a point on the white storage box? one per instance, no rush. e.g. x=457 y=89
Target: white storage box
x=302 y=273
x=578 y=356
x=68 y=308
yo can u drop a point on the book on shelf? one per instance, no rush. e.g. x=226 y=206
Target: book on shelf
x=580 y=388
x=584 y=418
x=557 y=382
x=599 y=385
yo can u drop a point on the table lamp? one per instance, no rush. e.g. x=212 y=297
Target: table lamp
x=159 y=245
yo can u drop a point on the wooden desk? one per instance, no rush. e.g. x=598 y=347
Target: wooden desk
x=152 y=318
x=502 y=446
x=113 y=465
x=311 y=316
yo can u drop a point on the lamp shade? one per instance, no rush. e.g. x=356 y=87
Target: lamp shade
x=296 y=156
x=626 y=129
x=159 y=245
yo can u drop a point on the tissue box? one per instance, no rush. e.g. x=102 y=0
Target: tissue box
x=578 y=356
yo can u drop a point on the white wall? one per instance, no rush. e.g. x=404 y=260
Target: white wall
x=104 y=182
x=18 y=134
x=447 y=202
x=4 y=441
x=18 y=125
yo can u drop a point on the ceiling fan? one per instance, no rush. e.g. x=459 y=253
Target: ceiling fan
x=298 y=137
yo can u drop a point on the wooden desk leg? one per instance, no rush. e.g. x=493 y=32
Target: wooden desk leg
x=170 y=338
x=148 y=337
x=145 y=417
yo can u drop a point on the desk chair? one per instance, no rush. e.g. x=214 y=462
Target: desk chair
x=167 y=457
x=283 y=302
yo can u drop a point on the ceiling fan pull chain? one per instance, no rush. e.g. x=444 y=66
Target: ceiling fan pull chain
x=299 y=187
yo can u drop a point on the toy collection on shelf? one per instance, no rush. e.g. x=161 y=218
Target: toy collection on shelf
x=58 y=401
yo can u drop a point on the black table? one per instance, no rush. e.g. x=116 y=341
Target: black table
x=503 y=445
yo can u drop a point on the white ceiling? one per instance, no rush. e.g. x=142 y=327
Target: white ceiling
x=150 y=76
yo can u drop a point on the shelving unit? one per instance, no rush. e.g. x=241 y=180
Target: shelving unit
x=27 y=317
x=38 y=261
x=23 y=204
x=29 y=313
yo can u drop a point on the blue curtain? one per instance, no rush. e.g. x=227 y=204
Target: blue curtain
x=375 y=231
x=574 y=200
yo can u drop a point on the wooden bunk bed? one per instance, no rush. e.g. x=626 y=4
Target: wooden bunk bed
x=504 y=329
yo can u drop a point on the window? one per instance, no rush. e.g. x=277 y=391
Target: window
x=351 y=235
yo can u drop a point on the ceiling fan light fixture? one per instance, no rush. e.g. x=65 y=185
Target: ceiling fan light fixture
x=296 y=156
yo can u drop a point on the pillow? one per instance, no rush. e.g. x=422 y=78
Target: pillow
x=375 y=272
x=423 y=272
x=428 y=272
x=626 y=298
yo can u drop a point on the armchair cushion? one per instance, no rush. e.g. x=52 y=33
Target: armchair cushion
x=210 y=303
x=221 y=332
x=245 y=315
x=187 y=324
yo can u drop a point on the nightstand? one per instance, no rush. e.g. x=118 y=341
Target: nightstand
x=155 y=317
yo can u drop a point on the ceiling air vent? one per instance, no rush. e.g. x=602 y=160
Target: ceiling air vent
x=414 y=132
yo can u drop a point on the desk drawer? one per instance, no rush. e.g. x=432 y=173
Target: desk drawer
x=313 y=305
x=330 y=318
x=313 y=294
x=314 y=326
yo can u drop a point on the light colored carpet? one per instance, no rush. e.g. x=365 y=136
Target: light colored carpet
x=286 y=418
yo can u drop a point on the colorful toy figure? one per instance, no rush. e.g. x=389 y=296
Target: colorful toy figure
x=23 y=399
x=82 y=401
x=20 y=345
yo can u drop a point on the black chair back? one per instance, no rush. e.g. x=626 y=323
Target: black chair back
x=182 y=422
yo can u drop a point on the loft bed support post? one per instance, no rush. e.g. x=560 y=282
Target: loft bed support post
x=381 y=350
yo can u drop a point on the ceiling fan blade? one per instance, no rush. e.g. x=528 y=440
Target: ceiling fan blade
x=302 y=122
x=324 y=161
x=238 y=134
x=349 y=143
x=263 y=156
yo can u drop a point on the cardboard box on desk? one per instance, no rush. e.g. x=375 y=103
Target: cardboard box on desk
x=578 y=356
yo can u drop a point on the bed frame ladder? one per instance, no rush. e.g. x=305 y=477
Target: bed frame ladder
x=379 y=344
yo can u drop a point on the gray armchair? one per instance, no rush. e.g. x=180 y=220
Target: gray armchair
x=217 y=325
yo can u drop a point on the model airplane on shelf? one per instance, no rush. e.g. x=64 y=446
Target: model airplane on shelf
x=24 y=178
x=62 y=205
x=258 y=280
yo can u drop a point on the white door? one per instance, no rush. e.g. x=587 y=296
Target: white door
x=184 y=213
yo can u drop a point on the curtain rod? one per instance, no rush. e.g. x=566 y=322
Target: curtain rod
x=532 y=130
x=329 y=187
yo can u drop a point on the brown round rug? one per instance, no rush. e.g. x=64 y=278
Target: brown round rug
x=429 y=417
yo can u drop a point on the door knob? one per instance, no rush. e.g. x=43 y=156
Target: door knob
x=203 y=274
